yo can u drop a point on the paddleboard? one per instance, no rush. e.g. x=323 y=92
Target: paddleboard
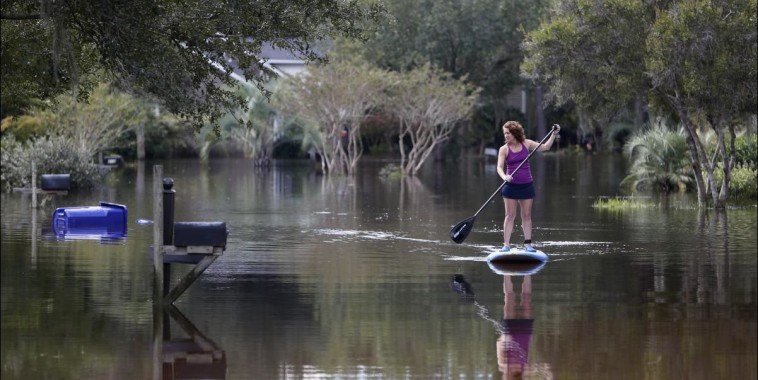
x=517 y=256
x=525 y=268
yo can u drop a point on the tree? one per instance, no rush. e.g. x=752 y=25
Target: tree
x=477 y=39
x=74 y=133
x=337 y=98
x=252 y=127
x=694 y=61
x=590 y=55
x=701 y=57
x=94 y=126
x=180 y=53
x=428 y=104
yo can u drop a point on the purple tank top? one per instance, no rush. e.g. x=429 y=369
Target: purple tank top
x=524 y=174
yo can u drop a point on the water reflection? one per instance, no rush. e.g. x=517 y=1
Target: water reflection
x=338 y=277
x=516 y=333
x=193 y=356
x=515 y=329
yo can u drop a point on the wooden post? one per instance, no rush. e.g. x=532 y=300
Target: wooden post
x=159 y=318
x=157 y=235
x=34 y=239
x=190 y=277
x=168 y=195
x=34 y=185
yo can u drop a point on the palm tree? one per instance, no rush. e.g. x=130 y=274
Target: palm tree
x=659 y=159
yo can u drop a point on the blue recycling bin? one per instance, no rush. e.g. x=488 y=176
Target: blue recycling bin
x=108 y=220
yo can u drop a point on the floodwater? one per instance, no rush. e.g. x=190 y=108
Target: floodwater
x=357 y=278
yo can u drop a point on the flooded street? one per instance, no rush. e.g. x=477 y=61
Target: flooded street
x=357 y=278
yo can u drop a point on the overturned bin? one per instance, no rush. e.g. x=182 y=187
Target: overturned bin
x=108 y=220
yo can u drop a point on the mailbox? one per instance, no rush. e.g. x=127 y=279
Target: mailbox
x=55 y=181
x=200 y=234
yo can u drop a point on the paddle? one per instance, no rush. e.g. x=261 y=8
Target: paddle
x=460 y=231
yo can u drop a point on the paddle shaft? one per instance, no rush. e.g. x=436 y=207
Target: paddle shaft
x=514 y=172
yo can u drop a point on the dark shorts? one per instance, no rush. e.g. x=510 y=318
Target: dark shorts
x=518 y=191
x=517 y=326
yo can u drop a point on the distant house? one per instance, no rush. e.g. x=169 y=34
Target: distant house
x=280 y=61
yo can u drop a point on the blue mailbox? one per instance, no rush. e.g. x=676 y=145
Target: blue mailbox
x=93 y=222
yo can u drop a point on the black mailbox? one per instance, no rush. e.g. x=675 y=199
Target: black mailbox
x=200 y=234
x=55 y=181
x=114 y=160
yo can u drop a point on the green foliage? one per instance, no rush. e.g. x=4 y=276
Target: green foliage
x=391 y=171
x=659 y=160
x=622 y=204
x=25 y=127
x=746 y=150
x=93 y=126
x=67 y=137
x=743 y=181
x=161 y=49
x=589 y=54
x=53 y=154
x=703 y=53
x=334 y=101
x=35 y=69
x=694 y=60
x=478 y=39
x=165 y=136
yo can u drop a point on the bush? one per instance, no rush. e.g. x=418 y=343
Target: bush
x=659 y=160
x=52 y=154
x=743 y=183
x=746 y=150
x=391 y=171
x=25 y=127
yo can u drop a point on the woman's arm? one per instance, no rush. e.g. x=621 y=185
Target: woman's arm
x=502 y=153
x=531 y=144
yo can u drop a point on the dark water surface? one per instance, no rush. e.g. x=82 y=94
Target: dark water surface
x=351 y=278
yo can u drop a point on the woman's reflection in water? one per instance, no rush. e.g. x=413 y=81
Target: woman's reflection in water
x=517 y=324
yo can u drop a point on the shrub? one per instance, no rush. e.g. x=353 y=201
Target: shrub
x=25 y=127
x=660 y=160
x=51 y=154
x=390 y=171
x=746 y=150
x=743 y=183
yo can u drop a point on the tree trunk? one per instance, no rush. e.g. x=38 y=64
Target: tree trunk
x=539 y=112
x=141 y=142
x=692 y=144
x=639 y=112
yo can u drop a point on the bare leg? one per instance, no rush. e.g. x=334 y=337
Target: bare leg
x=510 y=219
x=509 y=298
x=526 y=217
x=526 y=298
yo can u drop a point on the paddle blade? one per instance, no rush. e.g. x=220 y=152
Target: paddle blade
x=460 y=231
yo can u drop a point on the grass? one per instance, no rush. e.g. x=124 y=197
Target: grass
x=622 y=204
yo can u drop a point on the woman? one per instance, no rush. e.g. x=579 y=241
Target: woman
x=519 y=187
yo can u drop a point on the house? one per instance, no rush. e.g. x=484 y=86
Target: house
x=280 y=61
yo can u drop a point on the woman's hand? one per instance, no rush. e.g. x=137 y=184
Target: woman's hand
x=508 y=178
x=556 y=129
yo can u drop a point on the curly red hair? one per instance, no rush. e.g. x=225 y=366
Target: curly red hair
x=517 y=131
